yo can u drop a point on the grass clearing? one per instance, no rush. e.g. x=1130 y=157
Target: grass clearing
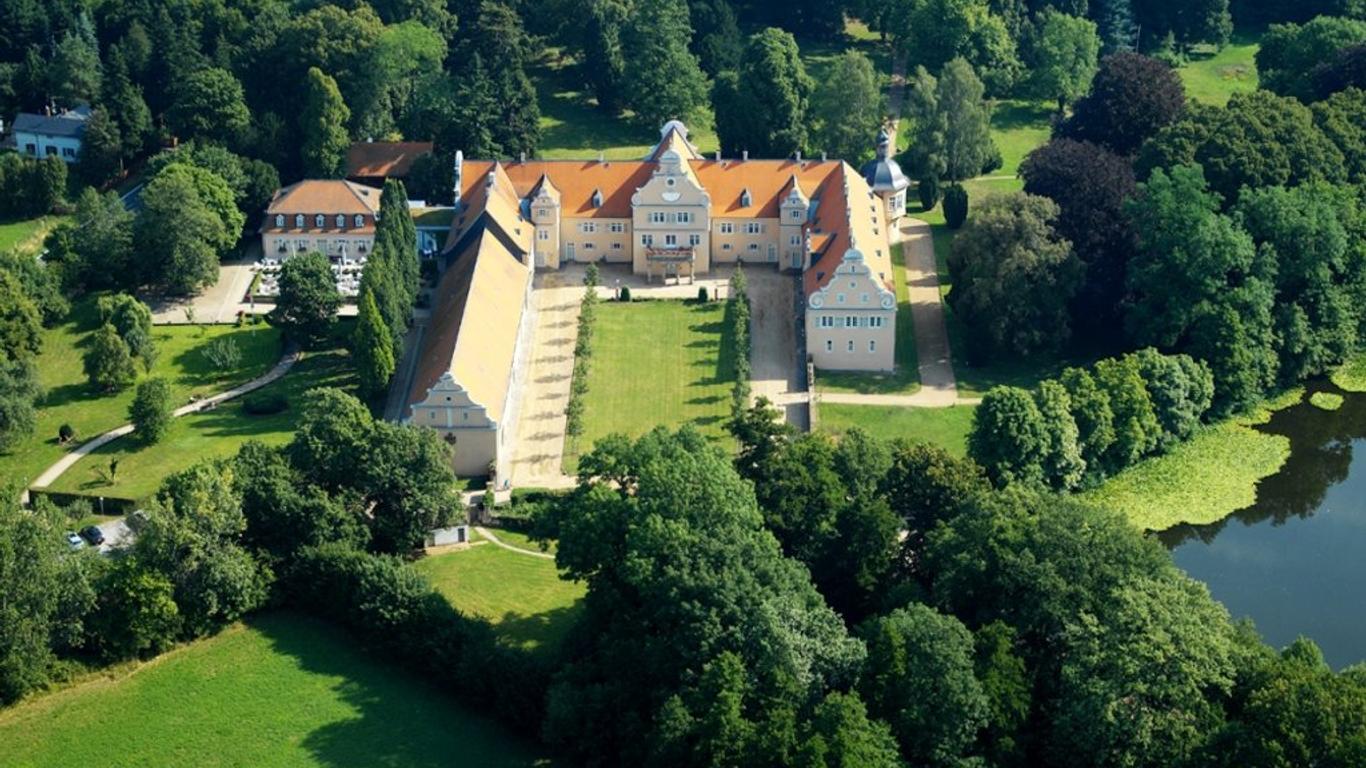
x=529 y=604
x=218 y=433
x=282 y=690
x=656 y=363
x=1212 y=76
x=1351 y=375
x=26 y=234
x=947 y=428
x=69 y=399
x=906 y=378
x=1018 y=127
x=1204 y=479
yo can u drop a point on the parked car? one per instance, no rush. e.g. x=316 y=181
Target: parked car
x=73 y=541
x=93 y=535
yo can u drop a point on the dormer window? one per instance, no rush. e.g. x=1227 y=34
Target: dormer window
x=746 y=199
x=341 y=221
x=597 y=198
x=318 y=221
x=279 y=219
x=298 y=220
x=360 y=220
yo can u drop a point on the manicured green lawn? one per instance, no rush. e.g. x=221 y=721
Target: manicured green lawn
x=524 y=596
x=283 y=690
x=906 y=378
x=1204 y=479
x=211 y=434
x=1018 y=127
x=69 y=399
x=945 y=427
x=656 y=362
x=1213 y=76
x=26 y=233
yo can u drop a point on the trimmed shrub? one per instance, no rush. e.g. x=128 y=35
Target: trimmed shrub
x=625 y=293
x=955 y=206
x=929 y=191
x=702 y=293
x=65 y=433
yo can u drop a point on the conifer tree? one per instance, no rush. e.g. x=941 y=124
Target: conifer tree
x=663 y=78
x=323 y=125
x=374 y=347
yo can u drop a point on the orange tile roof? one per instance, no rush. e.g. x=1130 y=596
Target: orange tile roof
x=853 y=219
x=577 y=180
x=326 y=196
x=766 y=181
x=384 y=159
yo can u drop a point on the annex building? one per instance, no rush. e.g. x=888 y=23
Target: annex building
x=670 y=216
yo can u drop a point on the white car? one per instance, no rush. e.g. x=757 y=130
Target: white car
x=74 y=541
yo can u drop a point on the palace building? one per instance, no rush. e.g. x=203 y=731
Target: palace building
x=670 y=216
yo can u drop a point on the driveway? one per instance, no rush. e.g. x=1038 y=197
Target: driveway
x=775 y=362
x=117 y=534
x=538 y=447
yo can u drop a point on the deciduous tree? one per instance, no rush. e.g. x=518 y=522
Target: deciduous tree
x=1065 y=57
x=1132 y=97
x=322 y=122
x=307 y=305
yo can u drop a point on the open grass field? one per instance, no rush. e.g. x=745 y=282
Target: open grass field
x=1018 y=127
x=524 y=596
x=282 y=690
x=906 y=378
x=1213 y=76
x=656 y=363
x=1204 y=479
x=213 y=434
x=69 y=399
x=27 y=234
x=945 y=427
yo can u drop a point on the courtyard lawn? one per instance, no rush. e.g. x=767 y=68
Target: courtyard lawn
x=218 y=433
x=656 y=363
x=530 y=606
x=1204 y=479
x=282 y=690
x=69 y=399
x=27 y=234
x=906 y=378
x=1213 y=76
x=947 y=428
x=1018 y=127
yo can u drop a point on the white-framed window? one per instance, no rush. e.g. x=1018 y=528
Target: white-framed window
x=863 y=298
x=727 y=228
x=588 y=227
x=360 y=220
x=872 y=345
x=795 y=240
x=694 y=240
x=616 y=246
x=795 y=215
x=616 y=227
x=318 y=221
x=298 y=219
x=657 y=217
x=754 y=227
x=754 y=246
x=850 y=321
x=725 y=246
x=851 y=345
x=588 y=246
x=839 y=298
x=542 y=234
x=671 y=239
x=874 y=322
x=542 y=211
x=341 y=220
x=684 y=217
x=279 y=219
x=827 y=321
x=829 y=345
x=68 y=152
x=647 y=239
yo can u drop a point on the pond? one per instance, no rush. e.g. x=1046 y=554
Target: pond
x=1295 y=562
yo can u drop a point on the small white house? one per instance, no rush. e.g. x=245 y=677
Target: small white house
x=51 y=135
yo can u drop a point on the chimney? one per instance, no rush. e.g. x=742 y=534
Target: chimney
x=602 y=157
x=521 y=157
x=369 y=139
x=823 y=157
x=744 y=154
x=457 y=171
x=718 y=155
x=799 y=155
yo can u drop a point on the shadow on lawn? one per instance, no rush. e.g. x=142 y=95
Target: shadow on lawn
x=398 y=718
x=541 y=633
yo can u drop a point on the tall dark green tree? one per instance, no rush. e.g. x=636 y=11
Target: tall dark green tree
x=374 y=348
x=307 y=306
x=762 y=106
x=322 y=122
x=209 y=105
x=663 y=79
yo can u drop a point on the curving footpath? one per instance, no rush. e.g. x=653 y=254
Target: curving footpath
x=498 y=542
x=55 y=471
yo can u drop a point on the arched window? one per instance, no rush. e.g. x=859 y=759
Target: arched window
x=318 y=220
x=279 y=219
x=360 y=220
x=298 y=219
x=341 y=221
